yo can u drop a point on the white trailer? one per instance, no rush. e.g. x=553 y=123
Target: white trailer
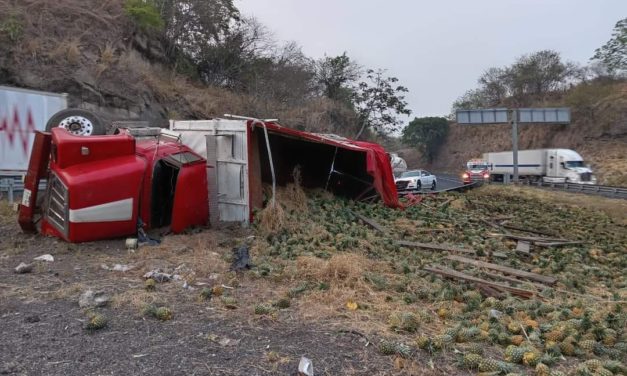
x=550 y=165
x=22 y=112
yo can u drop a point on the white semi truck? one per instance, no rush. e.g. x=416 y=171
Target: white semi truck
x=550 y=165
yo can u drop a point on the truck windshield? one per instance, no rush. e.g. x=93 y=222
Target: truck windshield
x=477 y=166
x=574 y=164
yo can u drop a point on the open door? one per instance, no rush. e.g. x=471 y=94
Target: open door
x=230 y=174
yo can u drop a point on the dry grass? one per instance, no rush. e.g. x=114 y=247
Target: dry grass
x=271 y=219
x=615 y=208
x=68 y=49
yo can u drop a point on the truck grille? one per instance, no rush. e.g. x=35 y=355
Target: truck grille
x=586 y=176
x=57 y=206
x=401 y=185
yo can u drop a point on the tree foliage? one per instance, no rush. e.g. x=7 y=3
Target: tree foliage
x=426 y=134
x=336 y=77
x=379 y=101
x=530 y=77
x=145 y=14
x=613 y=54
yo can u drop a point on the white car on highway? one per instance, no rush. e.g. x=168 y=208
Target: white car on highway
x=415 y=180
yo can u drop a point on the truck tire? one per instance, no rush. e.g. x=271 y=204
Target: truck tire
x=77 y=121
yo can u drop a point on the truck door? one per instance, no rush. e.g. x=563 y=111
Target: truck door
x=191 y=200
x=231 y=174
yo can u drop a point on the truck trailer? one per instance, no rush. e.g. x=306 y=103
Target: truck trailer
x=549 y=165
x=22 y=112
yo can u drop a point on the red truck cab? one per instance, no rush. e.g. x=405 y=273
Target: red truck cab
x=106 y=186
x=477 y=170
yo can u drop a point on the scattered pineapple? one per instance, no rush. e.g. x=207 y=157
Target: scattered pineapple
x=150 y=284
x=404 y=321
x=283 y=303
x=387 y=348
x=543 y=370
x=471 y=361
x=262 y=309
x=514 y=354
x=95 y=322
x=517 y=340
x=229 y=302
x=423 y=342
x=163 y=314
x=531 y=357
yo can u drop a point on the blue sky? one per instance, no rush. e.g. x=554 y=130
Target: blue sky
x=438 y=49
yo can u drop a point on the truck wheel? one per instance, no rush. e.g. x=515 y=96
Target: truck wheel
x=419 y=185
x=433 y=186
x=76 y=121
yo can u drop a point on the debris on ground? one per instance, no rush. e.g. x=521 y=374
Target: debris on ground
x=23 y=268
x=241 y=258
x=158 y=275
x=118 y=267
x=305 y=367
x=91 y=299
x=46 y=257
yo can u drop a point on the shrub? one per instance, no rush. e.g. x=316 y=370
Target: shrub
x=144 y=14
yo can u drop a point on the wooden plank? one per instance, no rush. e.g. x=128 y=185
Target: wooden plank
x=438 y=247
x=465 y=277
x=522 y=229
x=504 y=269
x=511 y=279
x=523 y=247
x=370 y=222
x=557 y=243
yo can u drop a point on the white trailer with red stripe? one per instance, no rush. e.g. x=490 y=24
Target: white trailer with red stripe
x=22 y=112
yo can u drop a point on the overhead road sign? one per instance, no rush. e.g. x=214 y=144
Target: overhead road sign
x=544 y=115
x=482 y=116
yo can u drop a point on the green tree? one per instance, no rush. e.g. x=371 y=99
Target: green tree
x=336 y=77
x=613 y=54
x=426 y=134
x=378 y=102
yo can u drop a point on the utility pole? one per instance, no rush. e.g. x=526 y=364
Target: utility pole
x=515 y=143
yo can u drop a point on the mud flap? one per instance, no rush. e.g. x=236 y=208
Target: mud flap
x=37 y=169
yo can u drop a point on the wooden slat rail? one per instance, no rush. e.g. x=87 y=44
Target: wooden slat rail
x=438 y=247
x=465 y=277
x=504 y=269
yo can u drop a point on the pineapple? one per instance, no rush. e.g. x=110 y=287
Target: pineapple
x=475 y=348
x=423 y=342
x=593 y=364
x=543 y=370
x=531 y=358
x=603 y=372
x=587 y=344
x=471 y=361
x=466 y=334
x=229 y=302
x=150 y=284
x=514 y=354
x=283 y=303
x=262 y=309
x=488 y=365
x=441 y=342
x=163 y=313
x=517 y=340
x=513 y=327
x=555 y=335
x=95 y=322
x=387 y=348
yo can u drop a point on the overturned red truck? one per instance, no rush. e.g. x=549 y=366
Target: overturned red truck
x=195 y=173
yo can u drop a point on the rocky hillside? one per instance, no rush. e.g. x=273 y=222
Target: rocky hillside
x=598 y=133
x=94 y=52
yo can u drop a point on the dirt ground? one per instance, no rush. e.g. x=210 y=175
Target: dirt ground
x=323 y=286
x=43 y=331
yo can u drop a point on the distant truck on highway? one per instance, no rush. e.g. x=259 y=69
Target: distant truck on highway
x=477 y=170
x=549 y=165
